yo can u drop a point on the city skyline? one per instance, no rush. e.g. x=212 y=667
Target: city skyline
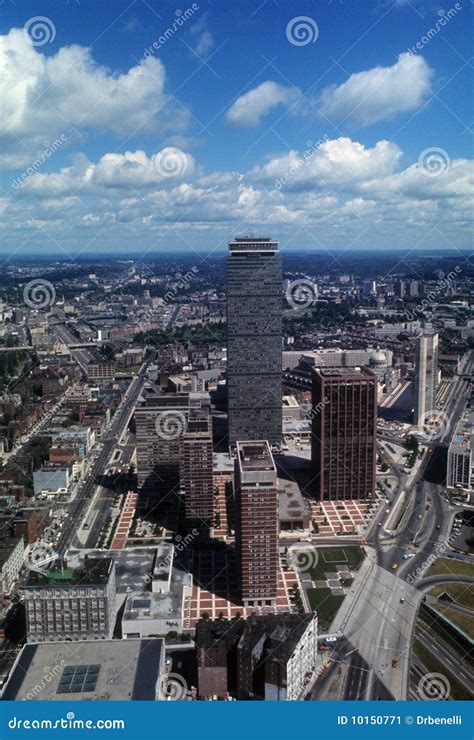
x=236 y=365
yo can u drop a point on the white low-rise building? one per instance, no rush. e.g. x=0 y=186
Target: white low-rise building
x=12 y=554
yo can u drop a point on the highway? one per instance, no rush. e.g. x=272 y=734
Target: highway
x=378 y=615
x=117 y=427
x=426 y=528
x=82 y=356
x=446 y=658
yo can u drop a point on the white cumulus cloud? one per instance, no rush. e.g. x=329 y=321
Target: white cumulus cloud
x=379 y=93
x=248 y=110
x=69 y=92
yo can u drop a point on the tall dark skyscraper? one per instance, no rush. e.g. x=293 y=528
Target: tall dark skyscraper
x=254 y=359
x=196 y=471
x=256 y=530
x=161 y=420
x=344 y=429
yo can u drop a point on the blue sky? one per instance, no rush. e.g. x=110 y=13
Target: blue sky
x=329 y=125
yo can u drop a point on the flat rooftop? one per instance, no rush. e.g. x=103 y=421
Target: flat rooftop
x=462 y=440
x=255 y=455
x=135 y=569
x=291 y=504
x=222 y=463
x=345 y=373
x=133 y=566
x=94 y=670
x=95 y=572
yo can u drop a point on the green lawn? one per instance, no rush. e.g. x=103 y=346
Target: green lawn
x=330 y=557
x=333 y=555
x=461 y=593
x=448 y=567
x=322 y=601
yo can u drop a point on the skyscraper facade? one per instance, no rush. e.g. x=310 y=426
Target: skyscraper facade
x=344 y=427
x=196 y=471
x=256 y=513
x=161 y=420
x=254 y=350
x=426 y=376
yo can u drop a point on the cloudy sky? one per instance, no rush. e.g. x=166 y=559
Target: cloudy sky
x=138 y=125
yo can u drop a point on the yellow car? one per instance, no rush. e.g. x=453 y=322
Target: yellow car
x=394 y=566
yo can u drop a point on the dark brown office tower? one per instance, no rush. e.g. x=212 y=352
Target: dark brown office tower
x=256 y=500
x=196 y=471
x=161 y=420
x=344 y=428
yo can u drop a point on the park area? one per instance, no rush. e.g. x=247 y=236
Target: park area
x=328 y=578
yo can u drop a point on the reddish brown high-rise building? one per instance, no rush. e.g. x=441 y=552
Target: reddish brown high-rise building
x=196 y=471
x=256 y=499
x=344 y=428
